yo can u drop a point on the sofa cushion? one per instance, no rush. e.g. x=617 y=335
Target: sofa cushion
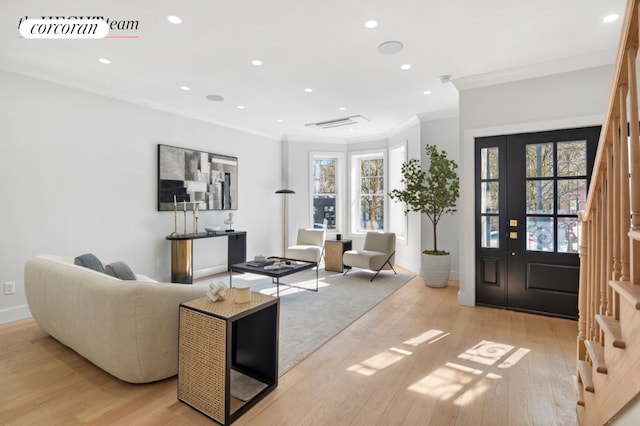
x=89 y=260
x=120 y=270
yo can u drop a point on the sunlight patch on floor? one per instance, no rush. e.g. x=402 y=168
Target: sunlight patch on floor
x=379 y=362
x=514 y=358
x=427 y=336
x=486 y=352
x=285 y=289
x=462 y=384
x=444 y=383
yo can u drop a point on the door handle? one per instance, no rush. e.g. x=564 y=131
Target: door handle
x=513 y=254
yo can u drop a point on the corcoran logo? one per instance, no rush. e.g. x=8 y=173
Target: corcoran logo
x=62 y=27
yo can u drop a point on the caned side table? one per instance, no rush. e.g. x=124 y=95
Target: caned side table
x=333 y=251
x=227 y=349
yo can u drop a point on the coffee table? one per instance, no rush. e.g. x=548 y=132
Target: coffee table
x=296 y=266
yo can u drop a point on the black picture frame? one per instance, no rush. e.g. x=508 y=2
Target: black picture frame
x=188 y=176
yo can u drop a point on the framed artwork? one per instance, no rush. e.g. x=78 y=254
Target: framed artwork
x=188 y=177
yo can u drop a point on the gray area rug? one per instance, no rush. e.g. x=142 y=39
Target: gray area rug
x=309 y=319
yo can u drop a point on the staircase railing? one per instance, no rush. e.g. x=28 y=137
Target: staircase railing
x=610 y=243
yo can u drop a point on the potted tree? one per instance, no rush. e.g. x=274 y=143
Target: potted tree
x=434 y=193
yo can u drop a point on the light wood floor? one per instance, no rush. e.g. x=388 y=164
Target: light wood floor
x=418 y=358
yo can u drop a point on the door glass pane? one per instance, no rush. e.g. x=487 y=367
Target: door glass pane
x=572 y=195
x=489 y=229
x=572 y=158
x=540 y=196
x=568 y=235
x=539 y=160
x=489 y=163
x=540 y=233
x=489 y=194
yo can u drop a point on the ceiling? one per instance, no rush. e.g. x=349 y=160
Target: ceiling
x=318 y=45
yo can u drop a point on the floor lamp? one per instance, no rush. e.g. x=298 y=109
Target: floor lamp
x=284 y=193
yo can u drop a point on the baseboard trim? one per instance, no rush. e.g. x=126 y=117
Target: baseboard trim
x=15 y=313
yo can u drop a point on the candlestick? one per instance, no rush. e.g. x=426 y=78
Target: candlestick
x=175 y=217
x=184 y=230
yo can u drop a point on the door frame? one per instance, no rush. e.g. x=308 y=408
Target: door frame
x=467 y=253
x=494 y=284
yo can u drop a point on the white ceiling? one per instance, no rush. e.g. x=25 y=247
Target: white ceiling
x=321 y=45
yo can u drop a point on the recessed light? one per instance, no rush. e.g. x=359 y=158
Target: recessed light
x=256 y=62
x=390 y=47
x=104 y=61
x=405 y=67
x=351 y=130
x=215 y=98
x=342 y=108
x=174 y=19
x=371 y=24
x=426 y=92
x=308 y=90
x=185 y=88
x=610 y=18
x=240 y=107
x=280 y=121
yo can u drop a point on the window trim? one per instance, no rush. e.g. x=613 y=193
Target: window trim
x=340 y=188
x=354 y=192
x=402 y=235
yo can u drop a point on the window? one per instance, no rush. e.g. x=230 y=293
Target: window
x=368 y=184
x=556 y=189
x=324 y=191
x=397 y=220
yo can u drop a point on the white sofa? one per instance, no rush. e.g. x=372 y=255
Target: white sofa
x=127 y=328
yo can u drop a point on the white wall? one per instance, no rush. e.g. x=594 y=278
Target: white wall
x=566 y=100
x=442 y=132
x=78 y=174
x=297 y=158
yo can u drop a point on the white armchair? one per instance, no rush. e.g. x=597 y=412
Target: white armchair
x=309 y=246
x=378 y=253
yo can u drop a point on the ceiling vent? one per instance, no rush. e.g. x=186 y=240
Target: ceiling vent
x=346 y=121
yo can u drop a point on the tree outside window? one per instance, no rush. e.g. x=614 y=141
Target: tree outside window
x=372 y=193
x=324 y=193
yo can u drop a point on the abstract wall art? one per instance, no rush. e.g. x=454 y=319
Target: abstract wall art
x=191 y=178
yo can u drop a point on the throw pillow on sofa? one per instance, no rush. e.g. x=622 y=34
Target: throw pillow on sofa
x=89 y=260
x=120 y=270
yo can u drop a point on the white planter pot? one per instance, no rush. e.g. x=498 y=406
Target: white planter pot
x=435 y=270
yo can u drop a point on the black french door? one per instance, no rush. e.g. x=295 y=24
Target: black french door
x=529 y=189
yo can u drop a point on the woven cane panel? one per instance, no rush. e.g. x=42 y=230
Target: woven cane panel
x=201 y=367
x=227 y=308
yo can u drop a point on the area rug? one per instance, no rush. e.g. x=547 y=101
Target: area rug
x=308 y=319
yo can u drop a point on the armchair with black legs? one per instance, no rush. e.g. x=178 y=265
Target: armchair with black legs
x=377 y=254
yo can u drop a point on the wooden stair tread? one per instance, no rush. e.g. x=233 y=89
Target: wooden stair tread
x=577 y=390
x=596 y=352
x=611 y=328
x=628 y=291
x=586 y=376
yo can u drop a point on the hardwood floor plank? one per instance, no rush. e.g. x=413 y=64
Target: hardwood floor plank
x=416 y=358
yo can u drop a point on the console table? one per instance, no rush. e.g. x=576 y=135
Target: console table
x=221 y=346
x=182 y=252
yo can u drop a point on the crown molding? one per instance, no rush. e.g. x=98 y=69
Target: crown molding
x=575 y=63
x=438 y=115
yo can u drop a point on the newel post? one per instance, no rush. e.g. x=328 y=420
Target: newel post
x=583 y=288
